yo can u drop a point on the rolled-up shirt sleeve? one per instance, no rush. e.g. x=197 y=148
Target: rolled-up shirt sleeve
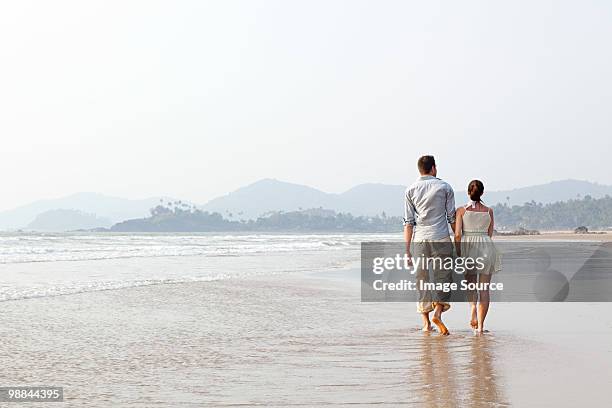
x=409 y=213
x=450 y=205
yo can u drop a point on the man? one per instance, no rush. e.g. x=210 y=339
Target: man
x=429 y=209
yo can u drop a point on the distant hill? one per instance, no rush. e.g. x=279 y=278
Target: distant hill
x=67 y=220
x=371 y=199
x=271 y=195
x=555 y=191
x=268 y=195
x=114 y=209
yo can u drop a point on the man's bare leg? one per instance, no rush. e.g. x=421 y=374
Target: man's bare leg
x=426 y=323
x=437 y=319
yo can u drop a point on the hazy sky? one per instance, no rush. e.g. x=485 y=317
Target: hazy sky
x=193 y=99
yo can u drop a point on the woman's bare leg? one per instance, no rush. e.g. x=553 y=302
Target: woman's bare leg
x=483 y=304
x=472 y=298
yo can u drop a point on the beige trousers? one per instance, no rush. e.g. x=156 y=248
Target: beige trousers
x=434 y=252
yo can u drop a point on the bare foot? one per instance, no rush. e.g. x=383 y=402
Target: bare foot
x=473 y=317
x=438 y=322
x=427 y=328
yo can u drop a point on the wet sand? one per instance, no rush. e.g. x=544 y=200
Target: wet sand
x=299 y=340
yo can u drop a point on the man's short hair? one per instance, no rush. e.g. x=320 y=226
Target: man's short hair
x=425 y=164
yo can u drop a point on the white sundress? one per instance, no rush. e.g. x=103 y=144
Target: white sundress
x=476 y=243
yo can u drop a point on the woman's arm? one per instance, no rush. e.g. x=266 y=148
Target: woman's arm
x=458 y=229
x=492 y=224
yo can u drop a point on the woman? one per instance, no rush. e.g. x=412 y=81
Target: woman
x=473 y=234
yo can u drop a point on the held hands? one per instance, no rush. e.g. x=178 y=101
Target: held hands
x=408 y=256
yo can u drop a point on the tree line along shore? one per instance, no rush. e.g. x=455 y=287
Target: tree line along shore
x=580 y=215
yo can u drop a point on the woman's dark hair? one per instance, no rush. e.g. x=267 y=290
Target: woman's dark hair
x=475 y=190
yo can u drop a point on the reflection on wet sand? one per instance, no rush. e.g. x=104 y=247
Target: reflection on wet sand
x=458 y=372
x=484 y=390
x=439 y=388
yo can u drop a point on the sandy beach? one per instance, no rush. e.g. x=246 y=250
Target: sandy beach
x=600 y=236
x=298 y=340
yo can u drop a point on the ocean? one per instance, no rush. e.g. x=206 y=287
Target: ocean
x=38 y=265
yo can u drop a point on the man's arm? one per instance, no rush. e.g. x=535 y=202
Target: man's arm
x=409 y=221
x=450 y=207
x=408 y=230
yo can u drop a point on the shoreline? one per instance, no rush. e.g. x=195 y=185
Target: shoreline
x=558 y=236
